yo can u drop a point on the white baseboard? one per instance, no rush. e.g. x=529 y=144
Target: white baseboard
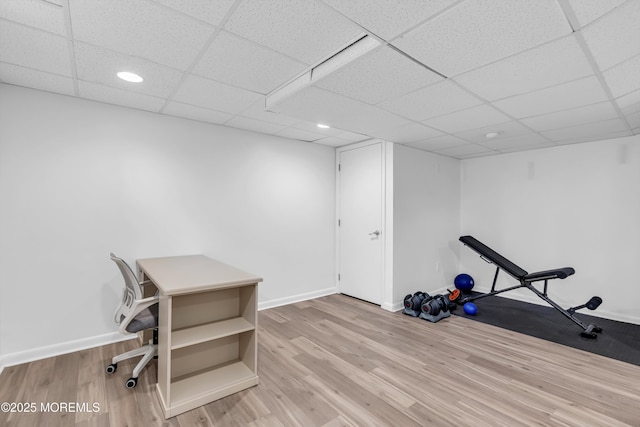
x=82 y=344
x=393 y=306
x=61 y=348
x=296 y=298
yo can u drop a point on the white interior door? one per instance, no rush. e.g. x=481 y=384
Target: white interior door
x=360 y=223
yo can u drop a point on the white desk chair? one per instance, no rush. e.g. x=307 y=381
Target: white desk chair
x=135 y=314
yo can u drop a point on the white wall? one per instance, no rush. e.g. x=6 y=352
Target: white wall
x=79 y=179
x=426 y=221
x=575 y=205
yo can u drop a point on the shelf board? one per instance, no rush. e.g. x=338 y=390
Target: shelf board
x=209 y=332
x=210 y=382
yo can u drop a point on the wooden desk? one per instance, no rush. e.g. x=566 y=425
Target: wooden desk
x=207 y=332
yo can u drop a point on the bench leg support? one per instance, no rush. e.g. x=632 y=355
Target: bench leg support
x=589 y=330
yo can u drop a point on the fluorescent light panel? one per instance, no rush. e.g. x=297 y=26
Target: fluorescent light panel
x=343 y=57
x=288 y=89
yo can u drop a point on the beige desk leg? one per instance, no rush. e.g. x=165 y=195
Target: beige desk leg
x=148 y=290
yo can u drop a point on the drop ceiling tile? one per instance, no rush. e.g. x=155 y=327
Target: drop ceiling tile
x=470 y=118
x=143 y=29
x=478 y=32
x=333 y=141
x=624 y=77
x=408 y=133
x=634 y=121
x=34 y=13
x=386 y=18
x=352 y=137
x=20 y=76
x=476 y=155
x=206 y=10
x=317 y=105
x=631 y=109
x=254 y=125
x=239 y=62
x=509 y=129
x=594 y=130
x=614 y=38
x=553 y=63
x=562 y=97
x=186 y=111
x=120 y=97
x=590 y=138
x=574 y=116
x=628 y=100
x=526 y=147
x=100 y=66
x=464 y=151
x=370 y=121
x=214 y=95
x=439 y=143
x=631 y=114
x=299 y=134
x=589 y=10
x=313 y=127
x=521 y=142
x=431 y=101
x=320 y=106
x=257 y=111
x=308 y=31
x=377 y=76
x=32 y=48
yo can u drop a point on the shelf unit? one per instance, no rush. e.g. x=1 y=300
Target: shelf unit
x=207 y=337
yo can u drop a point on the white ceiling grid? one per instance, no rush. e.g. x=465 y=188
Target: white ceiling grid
x=447 y=72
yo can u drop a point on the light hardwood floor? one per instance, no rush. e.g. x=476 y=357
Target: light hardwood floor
x=338 y=361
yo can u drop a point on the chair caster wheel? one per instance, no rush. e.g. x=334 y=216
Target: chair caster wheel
x=112 y=368
x=131 y=383
x=590 y=335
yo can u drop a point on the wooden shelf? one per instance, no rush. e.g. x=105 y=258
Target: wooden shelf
x=209 y=331
x=207 y=338
x=210 y=382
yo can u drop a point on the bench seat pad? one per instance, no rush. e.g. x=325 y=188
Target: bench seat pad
x=558 y=273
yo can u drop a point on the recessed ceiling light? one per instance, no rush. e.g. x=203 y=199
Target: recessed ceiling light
x=490 y=135
x=321 y=126
x=130 y=77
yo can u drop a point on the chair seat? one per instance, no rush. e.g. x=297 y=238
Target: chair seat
x=146 y=319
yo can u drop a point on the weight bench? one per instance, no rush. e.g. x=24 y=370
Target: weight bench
x=527 y=280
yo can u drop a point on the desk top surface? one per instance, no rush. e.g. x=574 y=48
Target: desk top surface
x=193 y=273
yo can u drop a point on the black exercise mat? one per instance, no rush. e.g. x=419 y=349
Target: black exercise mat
x=618 y=340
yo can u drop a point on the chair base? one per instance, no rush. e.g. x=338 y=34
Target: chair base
x=148 y=352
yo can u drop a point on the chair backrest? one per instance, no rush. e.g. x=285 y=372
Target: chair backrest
x=132 y=290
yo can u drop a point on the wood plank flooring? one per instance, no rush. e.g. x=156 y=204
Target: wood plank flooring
x=338 y=361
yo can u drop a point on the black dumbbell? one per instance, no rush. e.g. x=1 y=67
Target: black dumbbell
x=414 y=302
x=435 y=305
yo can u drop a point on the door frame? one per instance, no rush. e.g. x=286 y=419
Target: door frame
x=386 y=208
